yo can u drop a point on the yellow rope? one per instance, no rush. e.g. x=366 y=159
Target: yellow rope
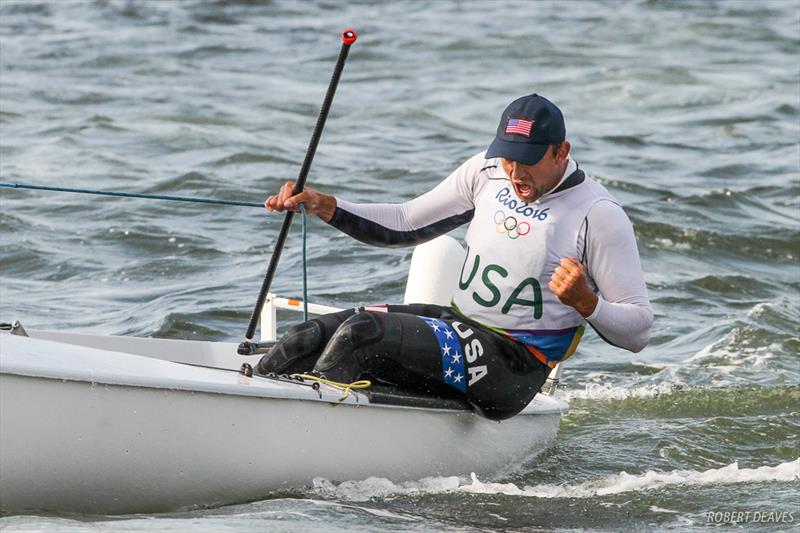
x=345 y=387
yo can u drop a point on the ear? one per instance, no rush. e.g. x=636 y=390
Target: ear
x=563 y=151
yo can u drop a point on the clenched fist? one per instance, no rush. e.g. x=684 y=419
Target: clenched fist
x=570 y=286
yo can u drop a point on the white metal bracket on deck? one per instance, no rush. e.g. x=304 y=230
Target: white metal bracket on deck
x=269 y=321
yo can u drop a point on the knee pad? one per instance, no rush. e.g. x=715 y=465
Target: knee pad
x=343 y=357
x=296 y=351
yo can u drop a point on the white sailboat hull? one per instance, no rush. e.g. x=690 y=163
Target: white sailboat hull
x=92 y=425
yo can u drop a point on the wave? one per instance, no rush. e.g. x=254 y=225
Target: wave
x=624 y=482
x=764 y=339
x=242 y=158
x=606 y=391
x=609 y=485
x=771 y=243
x=673 y=400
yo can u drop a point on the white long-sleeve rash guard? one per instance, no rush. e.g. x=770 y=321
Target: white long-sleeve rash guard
x=606 y=245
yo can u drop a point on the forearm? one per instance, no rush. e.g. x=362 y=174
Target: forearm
x=447 y=206
x=626 y=325
x=390 y=224
x=623 y=315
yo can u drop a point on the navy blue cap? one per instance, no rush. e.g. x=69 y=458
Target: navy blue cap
x=527 y=127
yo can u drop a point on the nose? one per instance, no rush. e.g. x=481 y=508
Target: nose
x=516 y=171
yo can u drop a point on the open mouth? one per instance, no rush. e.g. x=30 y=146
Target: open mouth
x=523 y=190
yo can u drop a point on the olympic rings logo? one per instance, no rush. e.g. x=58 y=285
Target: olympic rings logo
x=508 y=225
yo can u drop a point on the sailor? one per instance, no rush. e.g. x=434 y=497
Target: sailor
x=549 y=250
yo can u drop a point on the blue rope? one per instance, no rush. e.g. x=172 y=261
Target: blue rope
x=178 y=199
x=131 y=195
x=305 y=268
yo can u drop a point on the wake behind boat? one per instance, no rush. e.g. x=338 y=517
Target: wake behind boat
x=103 y=424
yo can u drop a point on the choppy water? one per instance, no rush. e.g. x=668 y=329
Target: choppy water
x=689 y=112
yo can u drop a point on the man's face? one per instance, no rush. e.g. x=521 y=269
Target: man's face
x=531 y=182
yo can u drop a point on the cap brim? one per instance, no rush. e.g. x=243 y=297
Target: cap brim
x=521 y=152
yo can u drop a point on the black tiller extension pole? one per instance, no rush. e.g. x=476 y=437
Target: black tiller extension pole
x=348 y=38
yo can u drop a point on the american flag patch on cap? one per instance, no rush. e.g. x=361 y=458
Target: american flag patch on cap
x=519 y=126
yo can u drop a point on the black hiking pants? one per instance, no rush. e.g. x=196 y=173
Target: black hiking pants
x=422 y=348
